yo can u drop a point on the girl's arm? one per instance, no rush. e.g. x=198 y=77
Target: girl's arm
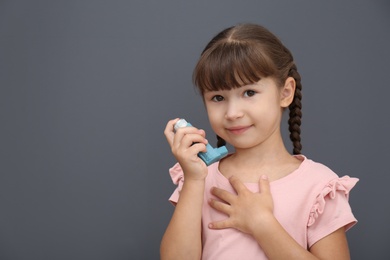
x=278 y=244
x=182 y=238
x=260 y=222
x=325 y=248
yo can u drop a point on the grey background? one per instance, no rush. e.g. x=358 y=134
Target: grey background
x=88 y=86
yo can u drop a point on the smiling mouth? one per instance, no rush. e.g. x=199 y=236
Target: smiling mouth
x=238 y=130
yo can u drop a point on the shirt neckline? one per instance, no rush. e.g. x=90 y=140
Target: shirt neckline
x=225 y=181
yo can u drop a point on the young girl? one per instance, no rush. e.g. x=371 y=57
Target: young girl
x=260 y=202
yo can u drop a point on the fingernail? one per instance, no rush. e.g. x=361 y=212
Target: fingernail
x=210 y=225
x=264 y=177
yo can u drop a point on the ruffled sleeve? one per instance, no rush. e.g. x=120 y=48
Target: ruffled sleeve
x=344 y=185
x=177 y=177
x=331 y=209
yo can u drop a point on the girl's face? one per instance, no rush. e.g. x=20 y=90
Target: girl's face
x=250 y=115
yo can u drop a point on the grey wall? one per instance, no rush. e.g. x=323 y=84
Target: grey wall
x=87 y=88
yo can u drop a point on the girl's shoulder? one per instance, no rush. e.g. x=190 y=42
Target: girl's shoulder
x=320 y=177
x=312 y=177
x=314 y=169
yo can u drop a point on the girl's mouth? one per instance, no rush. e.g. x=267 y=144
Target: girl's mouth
x=238 y=129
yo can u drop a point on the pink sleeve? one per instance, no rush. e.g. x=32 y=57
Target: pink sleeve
x=177 y=176
x=331 y=210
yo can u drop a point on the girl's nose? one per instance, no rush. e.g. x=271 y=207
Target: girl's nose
x=233 y=111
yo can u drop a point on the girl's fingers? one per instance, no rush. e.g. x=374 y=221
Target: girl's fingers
x=185 y=142
x=169 y=132
x=171 y=135
x=237 y=184
x=264 y=184
x=187 y=137
x=188 y=140
x=198 y=147
x=223 y=194
x=221 y=224
x=220 y=206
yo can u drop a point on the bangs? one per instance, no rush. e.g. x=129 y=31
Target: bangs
x=231 y=64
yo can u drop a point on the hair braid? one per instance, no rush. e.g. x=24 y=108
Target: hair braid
x=295 y=107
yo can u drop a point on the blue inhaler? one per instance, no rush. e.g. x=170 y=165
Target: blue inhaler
x=212 y=155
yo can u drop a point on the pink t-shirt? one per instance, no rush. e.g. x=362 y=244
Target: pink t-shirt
x=310 y=203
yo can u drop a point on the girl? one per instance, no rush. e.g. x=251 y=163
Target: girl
x=260 y=202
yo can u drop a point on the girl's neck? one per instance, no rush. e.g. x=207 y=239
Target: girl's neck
x=258 y=157
x=250 y=164
x=271 y=150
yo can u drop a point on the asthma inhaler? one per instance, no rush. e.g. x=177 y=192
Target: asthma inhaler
x=212 y=154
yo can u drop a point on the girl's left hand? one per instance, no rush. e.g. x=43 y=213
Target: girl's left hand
x=247 y=211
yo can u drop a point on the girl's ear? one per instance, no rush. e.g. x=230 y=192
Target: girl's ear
x=287 y=92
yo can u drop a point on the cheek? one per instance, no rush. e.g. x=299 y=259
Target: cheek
x=272 y=118
x=213 y=112
x=215 y=120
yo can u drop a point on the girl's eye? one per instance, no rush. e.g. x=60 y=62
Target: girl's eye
x=217 y=98
x=249 y=93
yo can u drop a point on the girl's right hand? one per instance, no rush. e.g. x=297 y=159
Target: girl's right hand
x=185 y=145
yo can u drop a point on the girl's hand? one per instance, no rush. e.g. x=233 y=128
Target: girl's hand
x=248 y=212
x=185 y=145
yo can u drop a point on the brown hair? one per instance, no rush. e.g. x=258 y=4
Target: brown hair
x=242 y=55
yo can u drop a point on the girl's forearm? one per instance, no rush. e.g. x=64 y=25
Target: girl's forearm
x=182 y=239
x=278 y=244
